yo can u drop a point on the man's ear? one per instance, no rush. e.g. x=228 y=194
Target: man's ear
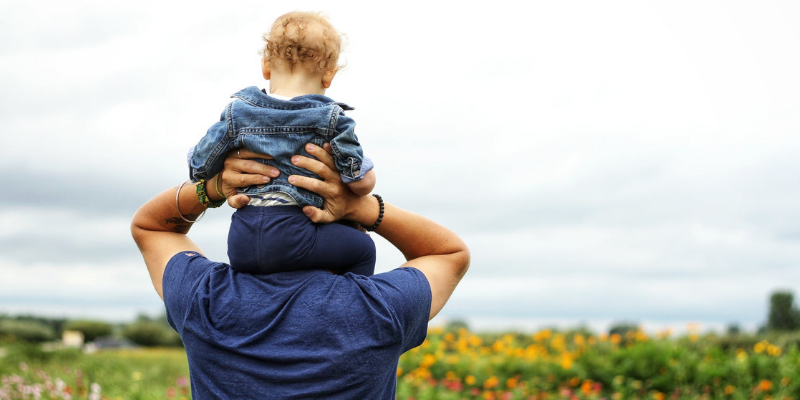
x=266 y=68
x=327 y=78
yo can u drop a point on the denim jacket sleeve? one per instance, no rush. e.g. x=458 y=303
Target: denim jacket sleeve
x=347 y=152
x=207 y=158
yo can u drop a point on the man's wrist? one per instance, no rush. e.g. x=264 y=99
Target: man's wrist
x=381 y=209
x=364 y=210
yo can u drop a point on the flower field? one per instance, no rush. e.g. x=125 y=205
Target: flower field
x=459 y=364
x=454 y=365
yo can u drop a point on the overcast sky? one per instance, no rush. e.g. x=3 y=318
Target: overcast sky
x=605 y=161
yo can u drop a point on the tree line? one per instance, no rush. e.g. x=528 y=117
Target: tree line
x=783 y=316
x=144 y=331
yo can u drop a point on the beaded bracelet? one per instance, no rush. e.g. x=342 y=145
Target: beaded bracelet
x=380 y=214
x=203 y=196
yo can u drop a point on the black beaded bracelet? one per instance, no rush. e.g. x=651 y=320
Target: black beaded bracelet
x=380 y=215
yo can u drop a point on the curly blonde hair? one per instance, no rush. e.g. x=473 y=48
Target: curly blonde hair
x=303 y=38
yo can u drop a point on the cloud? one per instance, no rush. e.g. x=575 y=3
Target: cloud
x=624 y=160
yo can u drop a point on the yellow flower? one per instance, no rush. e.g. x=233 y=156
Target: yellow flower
x=659 y=396
x=428 y=360
x=399 y=371
x=137 y=376
x=498 y=346
x=741 y=355
x=566 y=361
x=773 y=350
x=760 y=346
x=615 y=338
x=469 y=380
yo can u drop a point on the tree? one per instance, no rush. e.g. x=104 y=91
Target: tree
x=783 y=314
x=623 y=327
x=150 y=334
x=26 y=331
x=91 y=329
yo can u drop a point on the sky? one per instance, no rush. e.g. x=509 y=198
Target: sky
x=604 y=161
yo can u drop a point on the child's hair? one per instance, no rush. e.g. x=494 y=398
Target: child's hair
x=304 y=38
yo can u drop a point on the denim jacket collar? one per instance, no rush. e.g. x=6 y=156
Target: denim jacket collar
x=256 y=97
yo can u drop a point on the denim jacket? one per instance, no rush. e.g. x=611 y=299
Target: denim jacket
x=264 y=124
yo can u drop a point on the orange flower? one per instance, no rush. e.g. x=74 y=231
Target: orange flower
x=511 y=383
x=659 y=396
x=765 y=385
x=729 y=389
x=586 y=387
x=491 y=382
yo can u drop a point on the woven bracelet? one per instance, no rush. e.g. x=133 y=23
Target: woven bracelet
x=380 y=215
x=202 y=195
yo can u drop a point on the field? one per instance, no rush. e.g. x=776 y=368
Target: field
x=459 y=364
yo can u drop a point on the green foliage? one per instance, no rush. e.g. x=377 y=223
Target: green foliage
x=783 y=314
x=91 y=329
x=26 y=330
x=151 y=334
x=455 y=325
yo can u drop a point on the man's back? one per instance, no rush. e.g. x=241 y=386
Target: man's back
x=304 y=334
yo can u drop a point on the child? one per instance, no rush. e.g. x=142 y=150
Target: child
x=271 y=233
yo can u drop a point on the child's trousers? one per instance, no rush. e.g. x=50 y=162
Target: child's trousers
x=281 y=238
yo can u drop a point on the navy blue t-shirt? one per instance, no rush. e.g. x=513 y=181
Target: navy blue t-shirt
x=293 y=335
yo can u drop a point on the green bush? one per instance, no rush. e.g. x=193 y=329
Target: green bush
x=91 y=329
x=150 y=334
x=26 y=331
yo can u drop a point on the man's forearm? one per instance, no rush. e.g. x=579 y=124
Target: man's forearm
x=161 y=213
x=414 y=235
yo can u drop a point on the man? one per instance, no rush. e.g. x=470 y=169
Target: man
x=300 y=334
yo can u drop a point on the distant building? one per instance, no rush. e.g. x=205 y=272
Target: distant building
x=72 y=339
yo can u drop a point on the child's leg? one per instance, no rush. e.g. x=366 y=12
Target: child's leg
x=343 y=248
x=282 y=238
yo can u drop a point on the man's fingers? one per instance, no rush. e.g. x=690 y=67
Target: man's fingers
x=249 y=167
x=319 y=167
x=238 y=200
x=314 y=185
x=244 y=154
x=316 y=215
x=322 y=154
x=235 y=179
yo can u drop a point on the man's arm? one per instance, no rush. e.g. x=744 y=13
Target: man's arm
x=429 y=247
x=160 y=231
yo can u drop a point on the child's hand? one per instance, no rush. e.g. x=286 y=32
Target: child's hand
x=364 y=186
x=241 y=171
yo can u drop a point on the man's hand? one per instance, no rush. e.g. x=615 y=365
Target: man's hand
x=242 y=171
x=338 y=199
